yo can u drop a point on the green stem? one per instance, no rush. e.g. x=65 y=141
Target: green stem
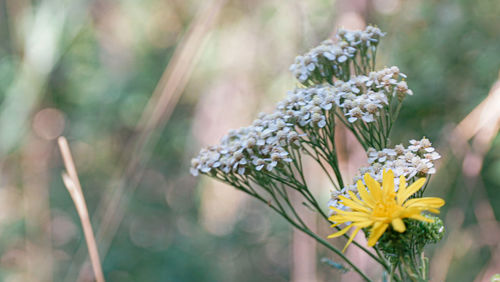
x=353 y=130
x=335 y=250
x=310 y=233
x=302 y=188
x=394 y=117
x=325 y=217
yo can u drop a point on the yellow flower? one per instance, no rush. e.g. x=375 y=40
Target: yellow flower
x=381 y=206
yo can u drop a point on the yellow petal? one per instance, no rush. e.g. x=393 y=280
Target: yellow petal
x=414 y=187
x=339 y=221
x=388 y=181
x=353 y=205
x=363 y=224
x=426 y=202
x=421 y=218
x=374 y=188
x=355 y=198
x=365 y=196
x=351 y=238
x=340 y=233
x=401 y=190
x=377 y=230
x=436 y=211
x=342 y=218
x=336 y=209
x=336 y=224
x=398 y=225
x=350 y=218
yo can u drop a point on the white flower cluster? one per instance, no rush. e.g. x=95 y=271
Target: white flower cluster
x=368 y=38
x=331 y=59
x=262 y=145
x=391 y=80
x=325 y=60
x=362 y=97
x=306 y=106
x=417 y=160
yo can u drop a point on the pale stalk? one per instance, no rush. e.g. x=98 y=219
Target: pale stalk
x=73 y=186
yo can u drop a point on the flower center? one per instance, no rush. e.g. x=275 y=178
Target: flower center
x=387 y=208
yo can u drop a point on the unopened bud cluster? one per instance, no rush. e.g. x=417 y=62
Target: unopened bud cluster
x=418 y=234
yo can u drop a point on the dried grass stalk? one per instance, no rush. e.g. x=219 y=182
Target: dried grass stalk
x=72 y=183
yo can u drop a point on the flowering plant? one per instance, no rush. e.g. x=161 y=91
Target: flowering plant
x=339 y=86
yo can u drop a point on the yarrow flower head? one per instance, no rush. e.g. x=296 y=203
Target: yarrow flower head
x=263 y=145
x=363 y=97
x=382 y=207
x=323 y=61
x=368 y=38
x=417 y=160
x=333 y=59
x=307 y=107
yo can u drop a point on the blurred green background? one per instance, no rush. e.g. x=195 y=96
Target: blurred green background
x=138 y=87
